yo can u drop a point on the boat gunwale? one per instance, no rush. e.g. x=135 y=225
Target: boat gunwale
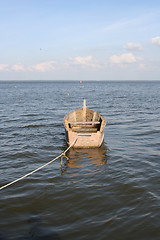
x=101 y=116
x=86 y=138
x=67 y=122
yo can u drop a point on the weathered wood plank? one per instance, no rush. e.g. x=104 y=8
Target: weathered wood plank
x=79 y=129
x=83 y=123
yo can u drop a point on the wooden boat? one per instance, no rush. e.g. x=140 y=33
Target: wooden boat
x=85 y=125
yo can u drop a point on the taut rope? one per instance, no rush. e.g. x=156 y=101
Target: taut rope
x=28 y=174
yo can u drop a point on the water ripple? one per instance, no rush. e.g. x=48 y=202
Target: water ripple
x=106 y=193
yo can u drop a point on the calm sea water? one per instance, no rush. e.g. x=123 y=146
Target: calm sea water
x=108 y=193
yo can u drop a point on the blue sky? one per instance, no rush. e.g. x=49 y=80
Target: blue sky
x=79 y=40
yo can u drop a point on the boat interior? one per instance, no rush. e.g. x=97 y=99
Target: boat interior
x=84 y=120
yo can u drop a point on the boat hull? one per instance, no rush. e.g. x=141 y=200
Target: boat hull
x=84 y=140
x=85 y=128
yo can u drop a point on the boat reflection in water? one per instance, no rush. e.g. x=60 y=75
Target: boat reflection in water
x=89 y=156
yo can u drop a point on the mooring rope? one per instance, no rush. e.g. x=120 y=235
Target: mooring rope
x=28 y=174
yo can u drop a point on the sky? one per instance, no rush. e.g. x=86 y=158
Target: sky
x=79 y=40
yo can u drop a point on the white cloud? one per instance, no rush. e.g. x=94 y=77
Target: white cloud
x=44 y=66
x=156 y=40
x=81 y=60
x=123 y=59
x=120 y=24
x=134 y=46
x=41 y=67
x=129 y=23
x=18 y=67
x=148 y=67
x=4 y=67
x=143 y=66
x=86 y=62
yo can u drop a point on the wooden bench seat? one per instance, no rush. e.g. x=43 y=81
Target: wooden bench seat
x=83 y=123
x=82 y=129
